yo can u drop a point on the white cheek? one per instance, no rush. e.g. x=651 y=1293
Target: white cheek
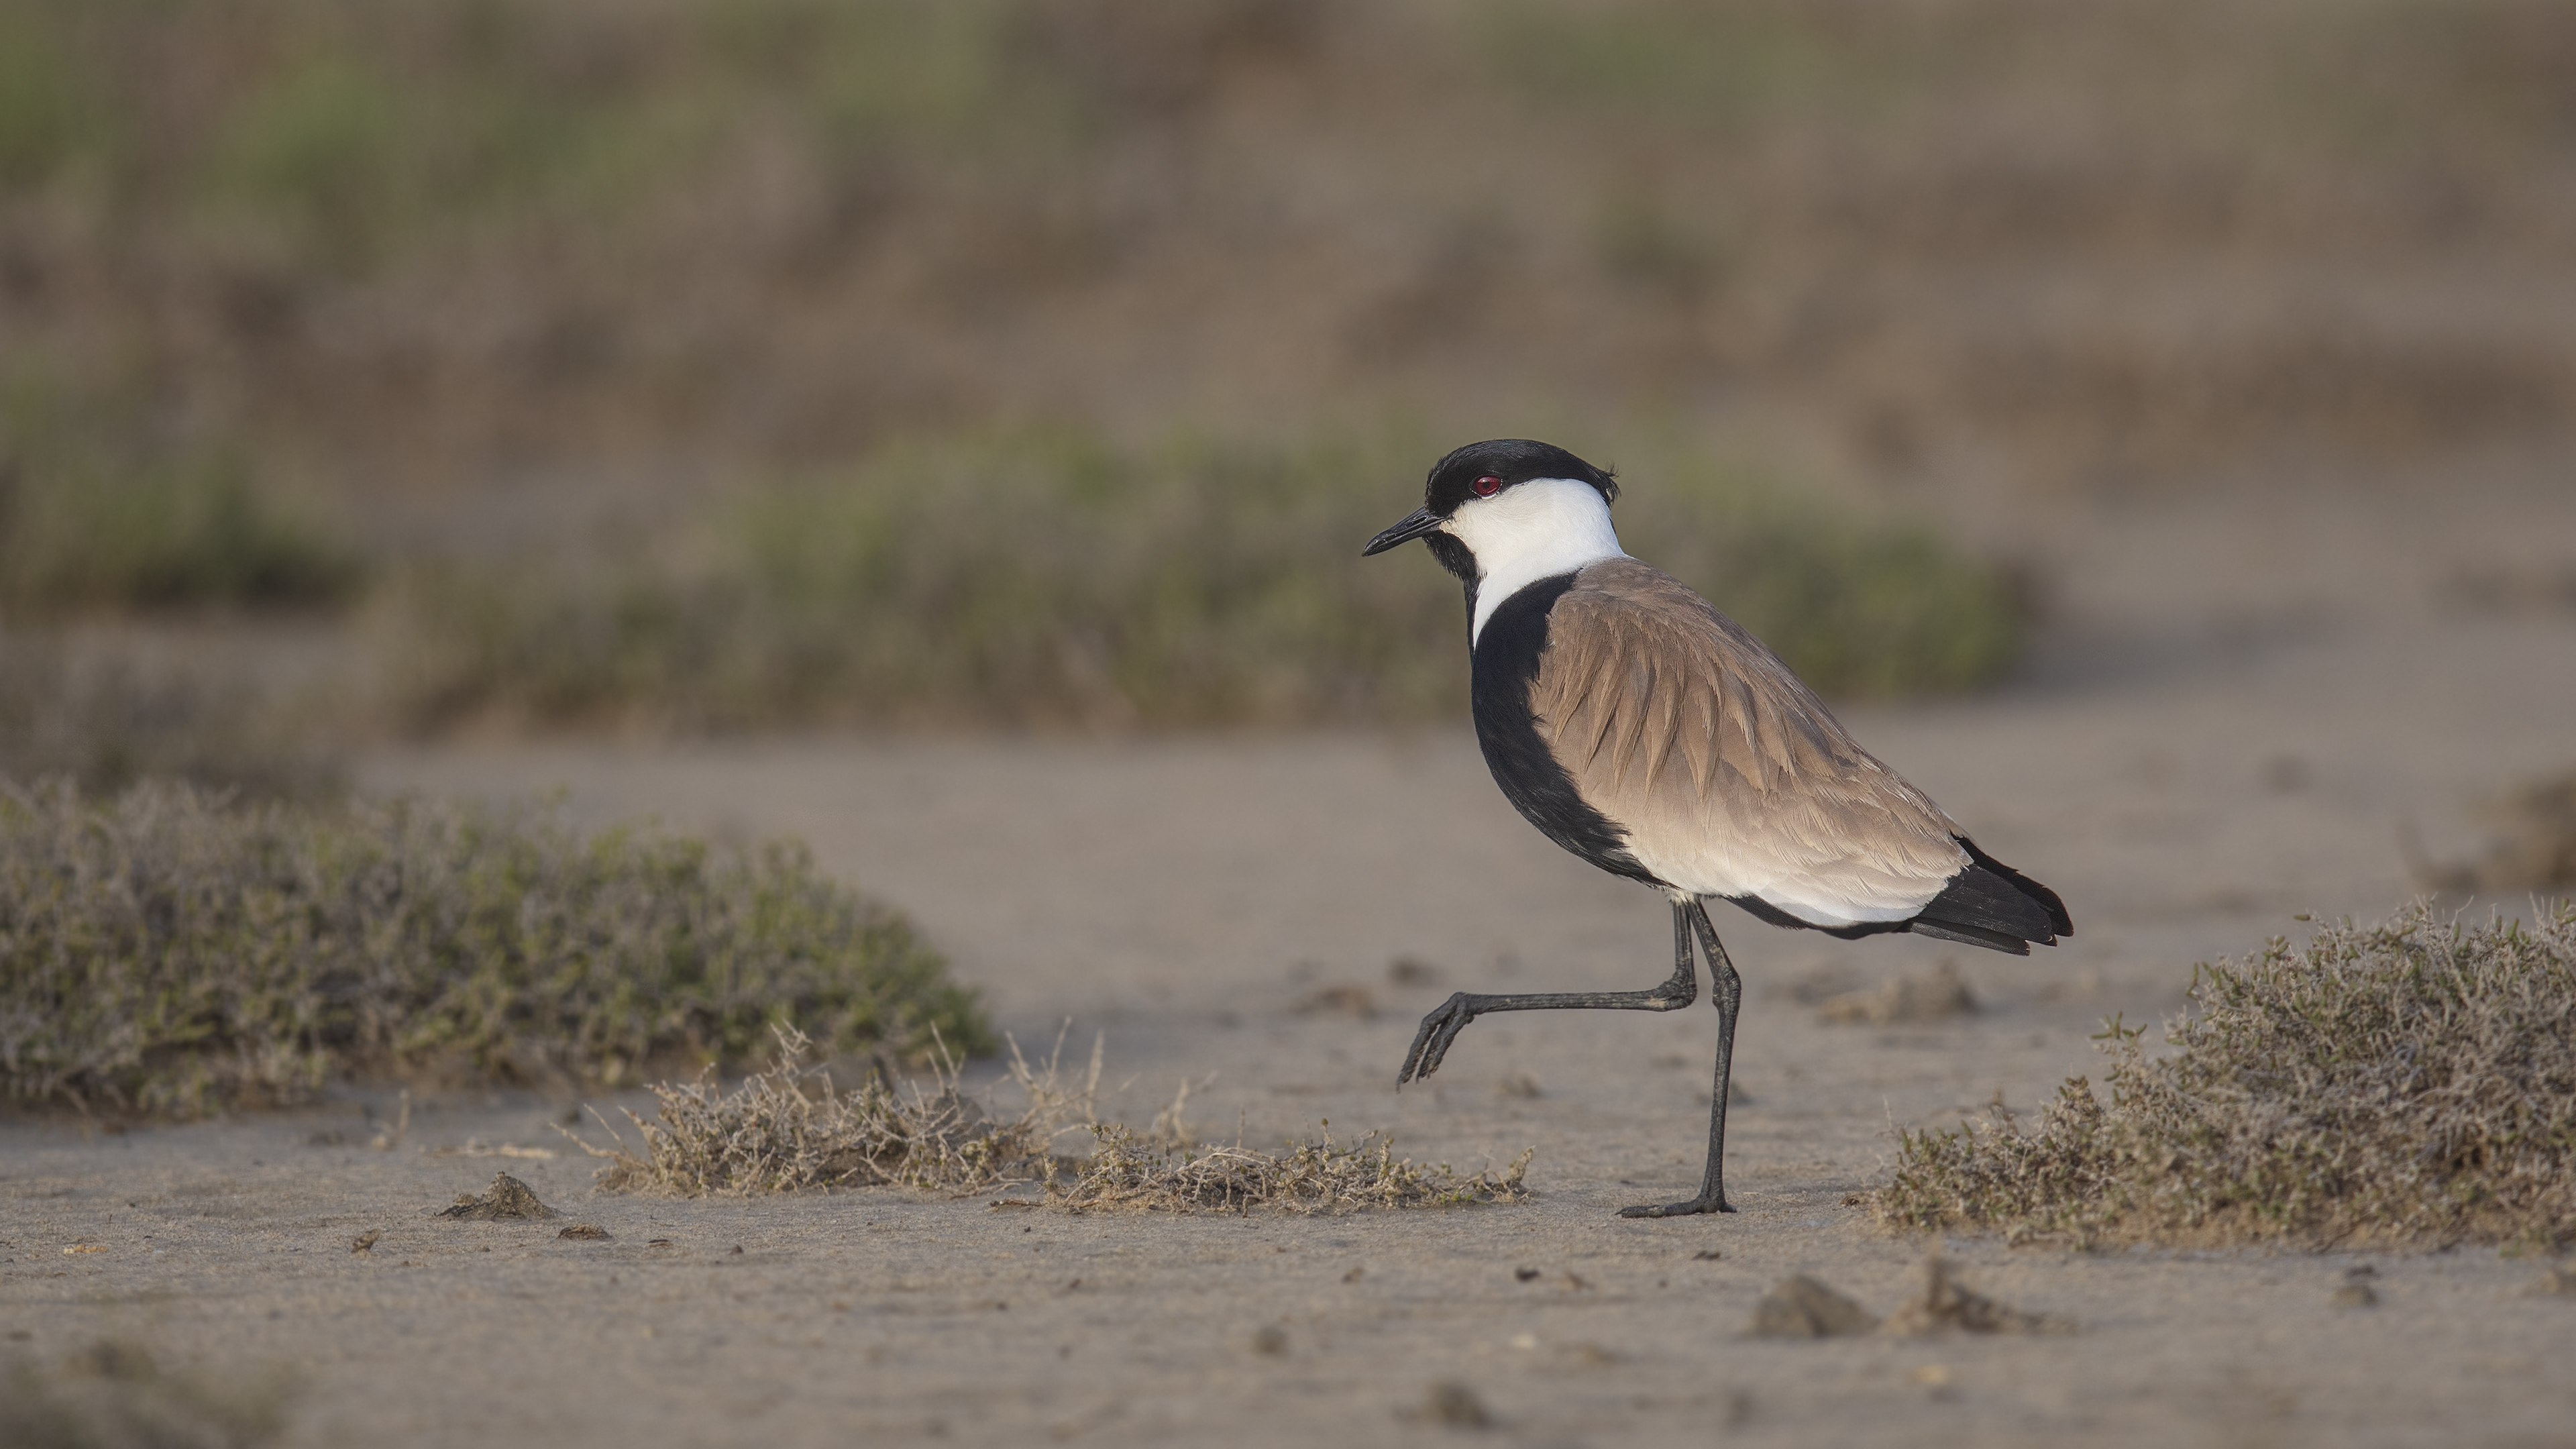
x=1537 y=530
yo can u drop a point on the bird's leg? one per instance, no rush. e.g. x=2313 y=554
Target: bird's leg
x=1442 y=1026
x=1726 y=989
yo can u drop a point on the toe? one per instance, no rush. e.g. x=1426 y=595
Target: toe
x=1677 y=1209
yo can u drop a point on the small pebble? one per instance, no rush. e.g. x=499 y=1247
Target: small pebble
x=1457 y=1406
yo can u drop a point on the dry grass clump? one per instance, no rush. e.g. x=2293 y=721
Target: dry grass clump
x=506 y=1200
x=171 y=950
x=788 y=1128
x=2405 y=1083
x=1129 y=1173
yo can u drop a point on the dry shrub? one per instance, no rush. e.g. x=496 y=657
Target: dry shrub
x=2403 y=1083
x=788 y=1128
x=1128 y=1173
x=172 y=950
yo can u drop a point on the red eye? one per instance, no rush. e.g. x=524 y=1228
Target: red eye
x=1488 y=486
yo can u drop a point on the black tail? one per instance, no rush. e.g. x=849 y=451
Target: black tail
x=1990 y=904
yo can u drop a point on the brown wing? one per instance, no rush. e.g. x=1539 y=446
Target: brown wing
x=1730 y=777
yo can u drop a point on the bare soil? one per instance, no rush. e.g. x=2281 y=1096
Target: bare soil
x=2241 y=705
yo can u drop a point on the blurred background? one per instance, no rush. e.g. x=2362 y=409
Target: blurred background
x=432 y=369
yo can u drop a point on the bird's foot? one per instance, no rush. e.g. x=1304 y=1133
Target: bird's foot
x=1697 y=1205
x=1431 y=1043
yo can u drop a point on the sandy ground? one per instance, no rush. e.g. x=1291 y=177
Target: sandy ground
x=2237 y=706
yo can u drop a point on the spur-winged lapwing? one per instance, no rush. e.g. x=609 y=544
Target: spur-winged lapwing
x=1650 y=734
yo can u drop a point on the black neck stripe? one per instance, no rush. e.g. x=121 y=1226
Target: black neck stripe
x=1506 y=658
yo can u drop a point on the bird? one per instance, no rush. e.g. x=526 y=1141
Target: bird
x=1650 y=734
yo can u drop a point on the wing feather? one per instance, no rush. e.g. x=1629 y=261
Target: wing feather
x=1726 y=772
x=1660 y=722
x=1699 y=736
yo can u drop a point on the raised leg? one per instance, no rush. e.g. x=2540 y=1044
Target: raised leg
x=1726 y=989
x=1441 y=1027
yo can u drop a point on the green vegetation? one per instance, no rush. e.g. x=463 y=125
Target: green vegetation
x=517 y=265
x=375 y=241
x=400 y=120
x=1859 y=610
x=159 y=537
x=1047 y=579
x=1720 y=66
x=355 y=133
x=2354 y=79
x=2403 y=1083
x=277 y=276
x=97 y=514
x=172 y=952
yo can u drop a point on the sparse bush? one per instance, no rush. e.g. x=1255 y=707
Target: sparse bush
x=2404 y=1083
x=1053 y=579
x=180 y=535
x=98 y=514
x=171 y=951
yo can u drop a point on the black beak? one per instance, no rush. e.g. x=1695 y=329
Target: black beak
x=1413 y=525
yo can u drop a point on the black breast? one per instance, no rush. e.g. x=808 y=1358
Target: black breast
x=1505 y=662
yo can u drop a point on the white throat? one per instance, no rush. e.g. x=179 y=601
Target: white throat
x=1532 y=531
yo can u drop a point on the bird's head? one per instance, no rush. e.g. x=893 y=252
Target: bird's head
x=1504 y=499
